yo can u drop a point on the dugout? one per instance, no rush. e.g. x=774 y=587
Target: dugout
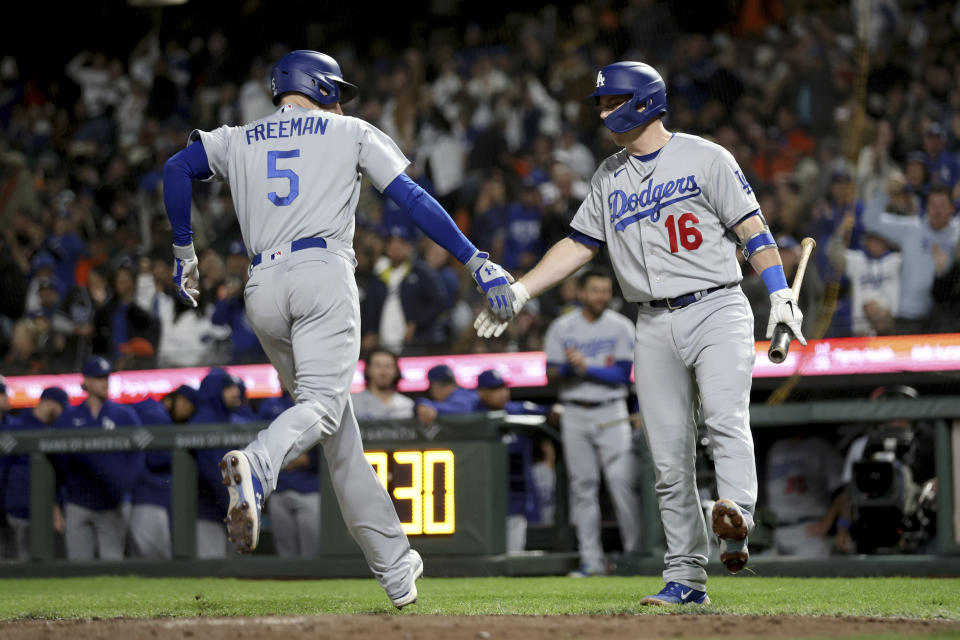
x=458 y=531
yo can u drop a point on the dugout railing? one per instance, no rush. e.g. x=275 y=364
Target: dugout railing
x=479 y=464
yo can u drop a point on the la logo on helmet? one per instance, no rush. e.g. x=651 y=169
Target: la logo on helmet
x=600 y=79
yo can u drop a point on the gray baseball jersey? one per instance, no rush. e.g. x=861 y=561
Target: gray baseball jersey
x=294 y=175
x=367 y=406
x=297 y=173
x=607 y=340
x=667 y=223
x=667 y=220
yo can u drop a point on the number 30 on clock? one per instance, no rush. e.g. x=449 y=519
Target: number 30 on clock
x=421 y=484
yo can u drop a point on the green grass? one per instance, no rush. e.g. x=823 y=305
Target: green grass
x=145 y=597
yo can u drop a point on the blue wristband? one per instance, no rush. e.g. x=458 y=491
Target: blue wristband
x=774 y=278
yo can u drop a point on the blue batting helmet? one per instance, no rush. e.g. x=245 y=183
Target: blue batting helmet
x=314 y=74
x=642 y=83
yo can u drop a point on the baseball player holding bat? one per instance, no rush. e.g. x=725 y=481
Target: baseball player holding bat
x=782 y=334
x=295 y=177
x=671 y=209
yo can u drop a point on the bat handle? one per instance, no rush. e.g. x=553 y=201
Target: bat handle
x=780 y=343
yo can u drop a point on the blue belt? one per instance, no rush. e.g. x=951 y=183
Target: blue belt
x=681 y=301
x=296 y=245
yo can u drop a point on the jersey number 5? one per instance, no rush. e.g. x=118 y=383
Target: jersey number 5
x=273 y=172
x=690 y=237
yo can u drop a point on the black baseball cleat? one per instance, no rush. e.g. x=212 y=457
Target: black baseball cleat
x=246 y=501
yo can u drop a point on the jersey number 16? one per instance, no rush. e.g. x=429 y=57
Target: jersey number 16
x=690 y=237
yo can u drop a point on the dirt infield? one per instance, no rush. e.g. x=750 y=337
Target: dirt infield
x=384 y=627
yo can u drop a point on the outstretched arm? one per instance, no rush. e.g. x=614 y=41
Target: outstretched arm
x=433 y=220
x=559 y=263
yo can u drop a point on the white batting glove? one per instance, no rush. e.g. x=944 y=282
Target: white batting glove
x=488 y=325
x=784 y=308
x=186 y=274
x=494 y=282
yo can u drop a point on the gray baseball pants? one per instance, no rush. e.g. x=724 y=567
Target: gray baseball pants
x=211 y=539
x=598 y=440
x=150 y=532
x=296 y=523
x=710 y=341
x=16 y=544
x=304 y=307
x=91 y=533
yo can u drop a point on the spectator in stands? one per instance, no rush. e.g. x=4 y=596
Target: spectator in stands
x=222 y=401
x=874 y=275
x=381 y=400
x=95 y=485
x=427 y=305
x=188 y=337
x=946 y=293
x=916 y=179
x=804 y=476
x=393 y=268
x=874 y=165
x=150 y=497
x=43 y=268
x=230 y=310
x=66 y=246
x=490 y=215
x=922 y=242
x=294 y=506
x=523 y=244
x=497 y=112
x=943 y=165
x=444 y=396
x=123 y=331
x=15 y=472
x=372 y=290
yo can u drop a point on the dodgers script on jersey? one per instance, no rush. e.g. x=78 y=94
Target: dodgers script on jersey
x=297 y=174
x=607 y=340
x=667 y=221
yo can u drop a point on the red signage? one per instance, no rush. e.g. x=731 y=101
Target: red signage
x=839 y=356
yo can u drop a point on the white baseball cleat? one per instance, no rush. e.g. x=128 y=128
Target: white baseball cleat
x=416 y=570
x=246 y=501
x=730 y=527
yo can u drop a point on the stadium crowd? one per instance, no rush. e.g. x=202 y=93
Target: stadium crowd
x=493 y=123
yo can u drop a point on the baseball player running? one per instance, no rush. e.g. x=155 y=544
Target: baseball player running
x=590 y=355
x=295 y=177
x=671 y=207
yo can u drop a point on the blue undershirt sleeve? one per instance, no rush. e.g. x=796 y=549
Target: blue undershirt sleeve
x=429 y=216
x=178 y=174
x=615 y=374
x=749 y=215
x=582 y=238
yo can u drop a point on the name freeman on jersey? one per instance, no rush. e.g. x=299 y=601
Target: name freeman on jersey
x=287 y=129
x=620 y=203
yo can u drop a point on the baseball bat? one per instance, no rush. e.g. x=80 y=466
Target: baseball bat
x=782 y=335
